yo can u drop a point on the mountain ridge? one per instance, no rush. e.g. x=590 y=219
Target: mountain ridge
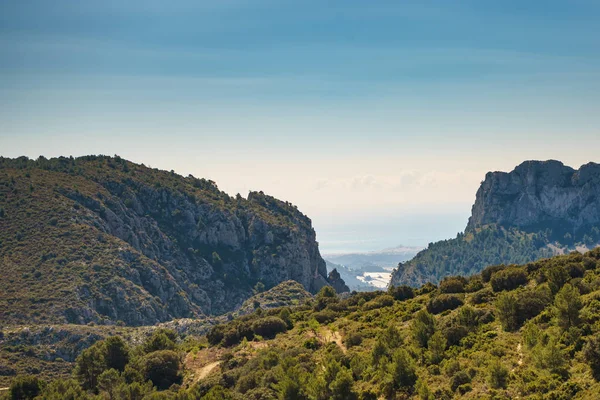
x=101 y=239
x=539 y=209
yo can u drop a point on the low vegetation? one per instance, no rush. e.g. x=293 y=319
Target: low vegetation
x=530 y=331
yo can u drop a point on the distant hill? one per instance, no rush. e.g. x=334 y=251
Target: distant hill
x=101 y=239
x=540 y=209
x=352 y=265
x=381 y=258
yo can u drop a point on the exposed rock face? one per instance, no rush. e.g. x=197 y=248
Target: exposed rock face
x=540 y=194
x=539 y=209
x=157 y=245
x=336 y=281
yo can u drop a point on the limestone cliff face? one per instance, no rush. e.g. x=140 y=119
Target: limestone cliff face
x=539 y=194
x=539 y=209
x=144 y=246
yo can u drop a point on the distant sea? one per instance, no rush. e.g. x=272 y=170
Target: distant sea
x=377 y=233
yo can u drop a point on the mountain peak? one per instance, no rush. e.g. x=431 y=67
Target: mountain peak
x=539 y=194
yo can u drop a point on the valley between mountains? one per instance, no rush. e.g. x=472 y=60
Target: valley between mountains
x=121 y=281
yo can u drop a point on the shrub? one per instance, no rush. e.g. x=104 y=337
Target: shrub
x=469 y=317
x=325 y=316
x=556 y=276
x=487 y=273
x=591 y=354
x=514 y=309
x=312 y=343
x=215 y=334
x=117 y=353
x=423 y=327
x=162 y=368
x=443 y=302
x=454 y=284
x=89 y=365
x=401 y=293
x=482 y=296
x=567 y=305
x=474 y=284
x=161 y=339
x=465 y=388
x=549 y=355
x=497 y=375
x=437 y=347
x=25 y=387
x=454 y=334
x=353 y=339
x=426 y=288
x=404 y=371
x=62 y=389
x=341 y=387
x=508 y=279
x=379 y=302
x=460 y=378
x=268 y=327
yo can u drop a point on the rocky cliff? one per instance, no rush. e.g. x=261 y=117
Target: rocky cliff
x=538 y=195
x=539 y=209
x=102 y=239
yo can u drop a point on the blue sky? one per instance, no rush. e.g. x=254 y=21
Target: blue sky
x=356 y=111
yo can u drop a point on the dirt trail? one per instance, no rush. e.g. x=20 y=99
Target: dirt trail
x=520 y=352
x=204 y=371
x=335 y=337
x=202 y=363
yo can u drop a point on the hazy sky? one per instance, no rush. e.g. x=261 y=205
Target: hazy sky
x=378 y=119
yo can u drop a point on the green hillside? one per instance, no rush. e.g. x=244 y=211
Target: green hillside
x=540 y=209
x=100 y=239
x=527 y=331
x=470 y=252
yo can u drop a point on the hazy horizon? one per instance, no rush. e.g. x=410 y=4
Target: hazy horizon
x=378 y=121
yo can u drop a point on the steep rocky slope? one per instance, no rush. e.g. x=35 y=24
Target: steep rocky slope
x=541 y=195
x=102 y=239
x=539 y=209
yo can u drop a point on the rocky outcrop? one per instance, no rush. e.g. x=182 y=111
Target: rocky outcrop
x=539 y=209
x=157 y=245
x=336 y=281
x=538 y=195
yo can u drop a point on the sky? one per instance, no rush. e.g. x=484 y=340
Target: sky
x=377 y=119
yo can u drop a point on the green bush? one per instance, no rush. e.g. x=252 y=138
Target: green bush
x=403 y=369
x=487 y=273
x=508 y=279
x=25 y=387
x=353 y=339
x=325 y=316
x=401 y=293
x=482 y=296
x=567 y=305
x=497 y=375
x=161 y=339
x=268 y=327
x=162 y=368
x=460 y=378
x=422 y=327
x=591 y=354
x=453 y=284
x=513 y=309
x=444 y=302
x=379 y=302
